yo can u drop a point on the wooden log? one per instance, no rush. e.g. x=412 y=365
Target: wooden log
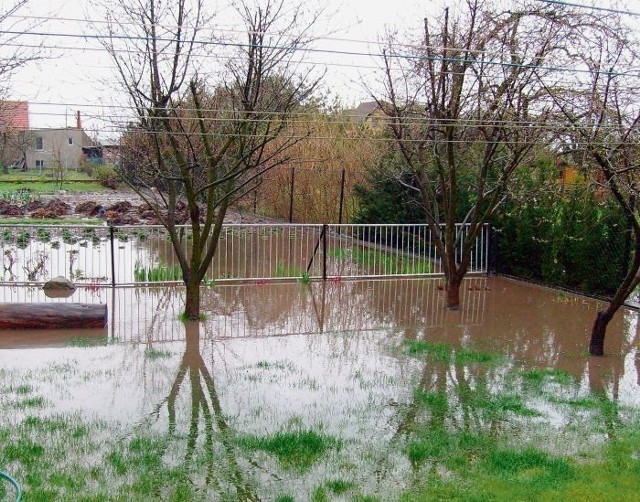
x=52 y=315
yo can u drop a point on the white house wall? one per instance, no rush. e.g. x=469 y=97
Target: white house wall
x=60 y=148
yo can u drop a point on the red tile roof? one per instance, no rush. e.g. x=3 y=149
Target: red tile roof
x=14 y=114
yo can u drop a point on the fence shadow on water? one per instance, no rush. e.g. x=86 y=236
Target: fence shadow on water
x=151 y=314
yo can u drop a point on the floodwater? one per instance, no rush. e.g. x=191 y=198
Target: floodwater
x=329 y=357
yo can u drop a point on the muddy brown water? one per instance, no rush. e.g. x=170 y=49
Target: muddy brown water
x=275 y=356
x=526 y=323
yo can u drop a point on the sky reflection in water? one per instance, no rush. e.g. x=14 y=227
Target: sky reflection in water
x=331 y=358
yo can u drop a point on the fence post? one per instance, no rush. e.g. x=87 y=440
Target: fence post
x=113 y=255
x=293 y=178
x=341 y=196
x=324 y=251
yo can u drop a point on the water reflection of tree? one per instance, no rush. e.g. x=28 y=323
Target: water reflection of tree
x=604 y=384
x=453 y=401
x=205 y=415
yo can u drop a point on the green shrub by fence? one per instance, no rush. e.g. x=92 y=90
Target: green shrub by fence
x=574 y=241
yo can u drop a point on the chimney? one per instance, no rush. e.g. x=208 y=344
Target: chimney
x=78 y=120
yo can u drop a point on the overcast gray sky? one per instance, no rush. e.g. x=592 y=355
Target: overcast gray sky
x=79 y=75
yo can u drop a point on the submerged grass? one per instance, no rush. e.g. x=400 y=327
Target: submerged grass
x=295 y=450
x=461 y=430
x=390 y=263
x=153 y=354
x=537 y=376
x=445 y=353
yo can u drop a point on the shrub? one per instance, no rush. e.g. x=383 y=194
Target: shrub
x=573 y=240
x=106 y=176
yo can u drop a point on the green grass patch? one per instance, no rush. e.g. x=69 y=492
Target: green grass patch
x=296 y=450
x=283 y=270
x=497 y=405
x=15 y=184
x=438 y=351
x=31 y=402
x=453 y=449
x=340 y=486
x=444 y=353
x=153 y=354
x=24 y=389
x=87 y=341
x=436 y=400
x=24 y=451
x=467 y=356
x=158 y=273
x=529 y=465
x=539 y=376
x=390 y=263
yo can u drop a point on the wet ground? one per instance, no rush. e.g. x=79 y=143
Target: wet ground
x=350 y=362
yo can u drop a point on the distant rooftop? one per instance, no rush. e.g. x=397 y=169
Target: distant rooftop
x=14 y=115
x=365 y=109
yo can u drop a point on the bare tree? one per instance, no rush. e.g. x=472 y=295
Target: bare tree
x=465 y=107
x=198 y=142
x=13 y=54
x=602 y=135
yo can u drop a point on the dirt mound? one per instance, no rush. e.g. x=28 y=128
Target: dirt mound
x=88 y=208
x=32 y=206
x=8 y=209
x=59 y=207
x=123 y=206
x=116 y=218
x=43 y=212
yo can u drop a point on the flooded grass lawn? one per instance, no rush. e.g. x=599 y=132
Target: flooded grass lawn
x=356 y=391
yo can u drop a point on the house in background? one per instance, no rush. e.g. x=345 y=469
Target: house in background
x=370 y=115
x=24 y=148
x=59 y=148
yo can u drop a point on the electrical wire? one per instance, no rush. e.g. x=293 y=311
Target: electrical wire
x=635 y=73
x=590 y=7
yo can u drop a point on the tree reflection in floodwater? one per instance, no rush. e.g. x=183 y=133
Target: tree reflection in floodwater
x=205 y=417
x=410 y=391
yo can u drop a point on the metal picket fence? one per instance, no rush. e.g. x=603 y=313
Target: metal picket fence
x=144 y=254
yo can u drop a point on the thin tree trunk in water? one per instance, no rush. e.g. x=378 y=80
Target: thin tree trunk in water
x=453 y=294
x=192 y=302
x=596 y=345
x=599 y=330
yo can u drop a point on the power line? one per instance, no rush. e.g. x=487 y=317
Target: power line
x=319 y=119
x=214 y=28
x=590 y=7
x=220 y=28
x=200 y=56
x=333 y=52
x=359 y=138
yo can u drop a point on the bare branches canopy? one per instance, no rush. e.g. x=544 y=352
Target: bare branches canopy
x=212 y=113
x=466 y=104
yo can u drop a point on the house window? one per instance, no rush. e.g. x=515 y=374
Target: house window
x=40 y=163
x=71 y=141
x=39 y=143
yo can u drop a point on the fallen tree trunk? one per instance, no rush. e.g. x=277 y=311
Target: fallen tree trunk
x=52 y=315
